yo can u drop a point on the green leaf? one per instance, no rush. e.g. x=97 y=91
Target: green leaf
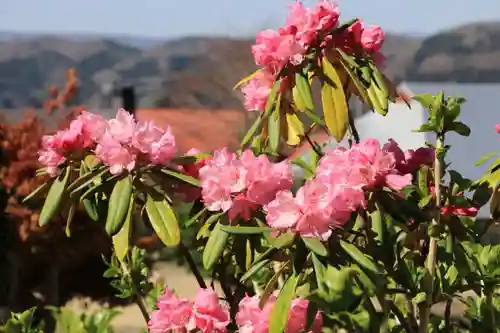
x=301 y=92
x=252 y=130
x=485 y=158
x=279 y=315
x=85 y=180
x=274 y=126
x=425 y=99
x=185 y=178
x=378 y=224
x=215 y=246
x=39 y=191
x=422 y=181
x=239 y=230
x=460 y=128
x=121 y=239
x=271 y=284
x=255 y=268
x=295 y=129
x=334 y=103
x=360 y=257
x=91 y=208
x=425 y=201
x=55 y=197
x=246 y=79
x=309 y=171
x=163 y=219
x=119 y=202
x=315 y=245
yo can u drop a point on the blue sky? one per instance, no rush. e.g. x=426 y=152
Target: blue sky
x=172 y=18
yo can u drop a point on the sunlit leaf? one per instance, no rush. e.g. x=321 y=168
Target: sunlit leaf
x=122 y=238
x=295 y=129
x=279 y=315
x=163 y=219
x=119 y=202
x=246 y=79
x=334 y=102
x=214 y=247
x=55 y=197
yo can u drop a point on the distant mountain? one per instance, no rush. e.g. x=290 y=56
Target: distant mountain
x=201 y=71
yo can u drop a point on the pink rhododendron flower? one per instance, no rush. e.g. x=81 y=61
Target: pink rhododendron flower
x=122 y=127
x=209 y=315
x=189 y=192
x=252 y=319
x=239 y=185
x=256 y=91
x=338 y=189
x=372 y=39
x=51 y=160
x=411 y=160
x=112 y=153
x=177 y=314
x=120 y=143
x=173 y=314
x=497 y=128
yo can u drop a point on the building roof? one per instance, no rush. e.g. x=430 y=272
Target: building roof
x=203 y=129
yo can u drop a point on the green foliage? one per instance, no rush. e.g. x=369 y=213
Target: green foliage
x=23 y=322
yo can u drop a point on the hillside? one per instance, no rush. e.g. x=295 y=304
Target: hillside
x=200 y=71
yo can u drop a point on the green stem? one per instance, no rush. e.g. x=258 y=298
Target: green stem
x=425 y=307
x=192 y=265
x=138 y=298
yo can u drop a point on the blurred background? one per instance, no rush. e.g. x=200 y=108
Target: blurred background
x=175 y=62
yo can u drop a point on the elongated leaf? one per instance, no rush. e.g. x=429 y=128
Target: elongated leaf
x=71 y=215
x=88 y=182
x=256 y=267
x=271 y=284
x=334 y=102
x=274 y=126
x=246 y=79
x=309 y=171
x=55 y=197
x=163 y=219
x=378 y=224
x=119 y=202
x=85 y=178
x=350 y=65
x=316 y=246
x=422 y=181
x=252 y=130
x=295 y=129
x=380 y=89
x=360 y=257
x=91 y=208
x=122 y=238
x=245 y=230
x=301 y=92
x=39 y=191
x=485 y=158
x=215 y=246
x=279 y=315
x=185 y=178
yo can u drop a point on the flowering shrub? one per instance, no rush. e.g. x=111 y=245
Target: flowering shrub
x=370 y=241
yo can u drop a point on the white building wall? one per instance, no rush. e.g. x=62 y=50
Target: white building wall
x=481 y=112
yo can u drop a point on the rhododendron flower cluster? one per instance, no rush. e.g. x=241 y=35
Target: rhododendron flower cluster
x=304 y=28
x=189 y=192
x=120 y=143
x=240 y=185
x=177 y=314
x=342 y=177
x=252 y=319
